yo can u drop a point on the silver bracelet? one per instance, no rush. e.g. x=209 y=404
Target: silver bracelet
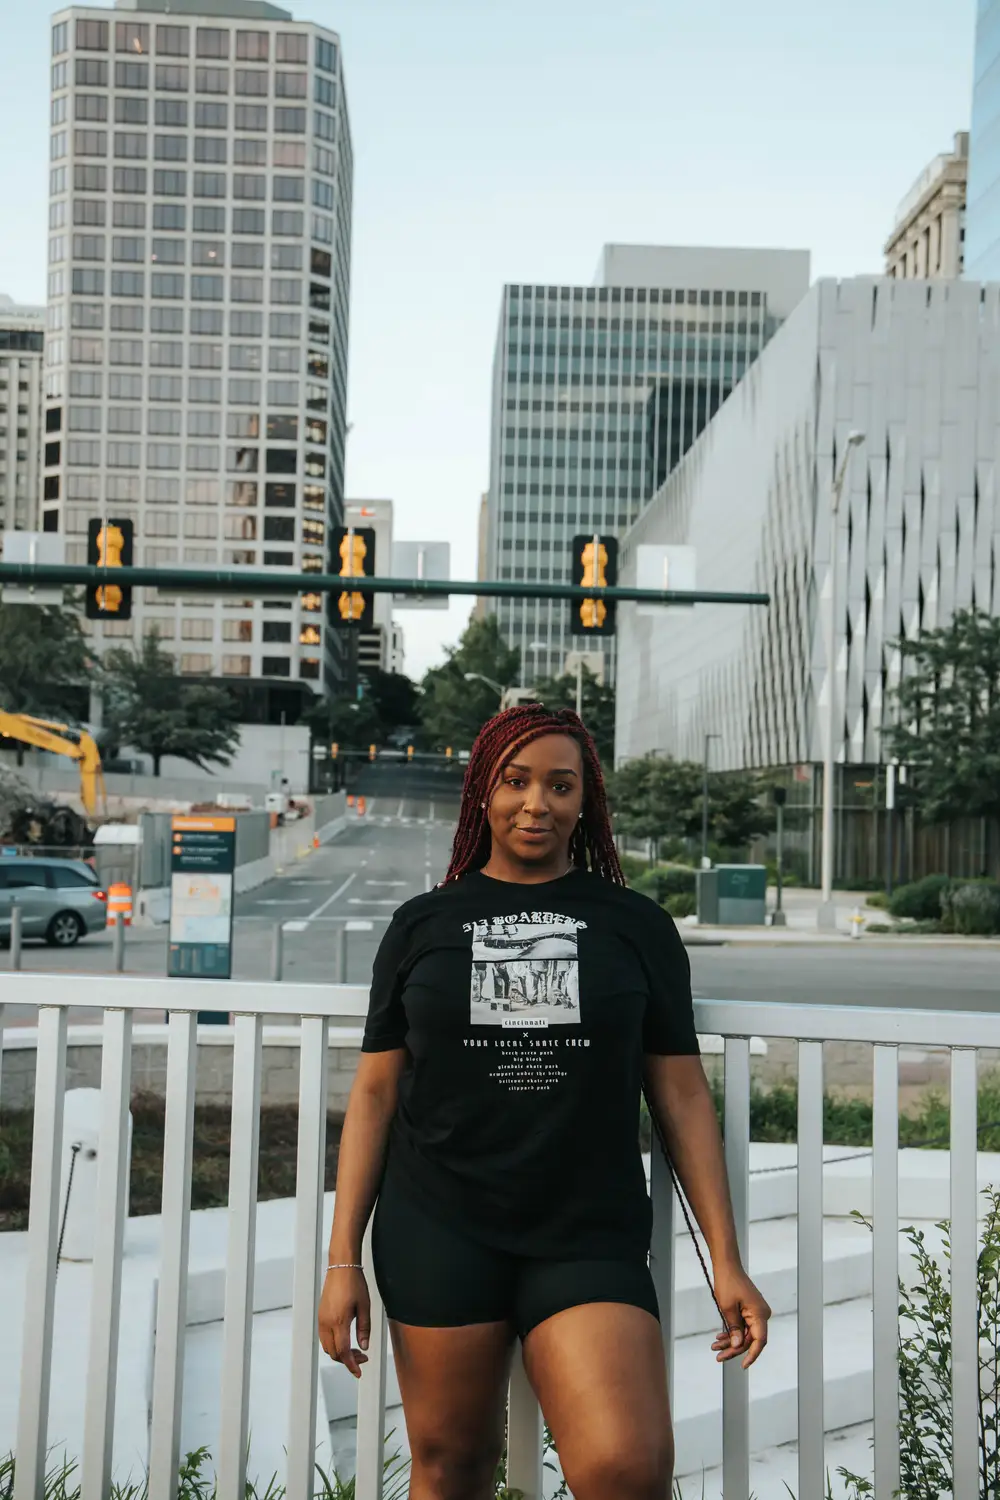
x=345 y=1266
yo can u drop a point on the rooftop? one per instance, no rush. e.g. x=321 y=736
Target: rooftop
x=243 y=10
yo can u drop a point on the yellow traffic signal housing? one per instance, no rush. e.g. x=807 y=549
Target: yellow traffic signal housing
x=353 y=551
x=594 y=564
x=409 y=752
x=109 y=545
x=371 y=752
x=334 y=750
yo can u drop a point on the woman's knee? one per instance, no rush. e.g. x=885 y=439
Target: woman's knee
x=628 y=1470
x=452 y=1468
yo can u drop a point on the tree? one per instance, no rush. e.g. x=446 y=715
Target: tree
x=149 y=706
x=656 y=797
x=454 y=708
x=598 y=707
x=395 y=699
x=46 y=662
x=947 y=718
x=351 y=723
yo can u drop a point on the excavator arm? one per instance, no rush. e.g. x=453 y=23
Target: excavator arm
x=60 y=739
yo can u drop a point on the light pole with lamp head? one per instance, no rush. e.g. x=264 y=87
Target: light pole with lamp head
x=478 y=677
x=827 y=917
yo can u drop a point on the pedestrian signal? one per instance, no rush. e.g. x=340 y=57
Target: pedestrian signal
x=354 y=557
x=594 y=564
x=109 y=545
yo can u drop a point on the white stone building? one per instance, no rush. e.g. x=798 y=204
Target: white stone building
x=22 y=335
x=199 y=272
x=916 y=368
x=928 y=238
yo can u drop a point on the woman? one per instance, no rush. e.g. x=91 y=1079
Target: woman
x=515 y=1013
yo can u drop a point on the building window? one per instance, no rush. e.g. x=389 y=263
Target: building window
x=130 y=180
x=289 y=153
x=135 y=144
x=207 y=288
x=91 y=36
x=235 y=666
x=163 y=455
x=166 y=354
x=203 y=457
x=195 y=663
x=128 y=283
x=128 y=319
x=172 y=41
x=88 y=283
x=251 y=83
x=86 y=247
x=282 y=461
x=326 y=55
x=208 y=253
x=252 y=46
x=290 y=121
x=249 y=221
x=206 y=423
x=248 y=257
x=170 y=148
x=131 y=36
x=246 y=325
x=251 y=117
x=211 y=41
x=164 y=422
x=291 y=47
x=250 y=153
x=246 y=289
x=249 y=185
x=211 y=80
x=244 y=356
x=169 y=216
x=60 y=39
x=91 y=73
x=165 y=284
x=286 y=289
x=288 y=189
x=205 y=388
x=172 y=78
x=240 y=528
x=168 y=252
x=290 y=85
x=165 y=388
x=210 y=149
x=326 y=92
x=210 y=184
x=88 y=107
x=169 y=184
x=276 y=632
x=289 y=222
x=90 y=142
x=242 y=460
x=242 y=492
x=131 y=111
x=206 y=320
x=325 y=125
x=129 y=215
x=237 y=630
x=131 y=75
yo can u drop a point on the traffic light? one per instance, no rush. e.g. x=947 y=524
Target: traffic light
x=334 y=750
x=409 y=752
x=594 y=563
x=371 y=752
x=354 y=557
x=448 y=753
x=109 y=545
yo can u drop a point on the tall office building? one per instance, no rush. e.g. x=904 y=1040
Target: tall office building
x=199 y=274
x=598 y=392
x=22 y=335
x=982 y=237
x=928 y=236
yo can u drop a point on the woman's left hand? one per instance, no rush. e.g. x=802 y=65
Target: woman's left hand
x=745 y=1312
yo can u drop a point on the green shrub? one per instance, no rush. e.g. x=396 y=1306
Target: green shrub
x=633 y=867
x=879 y=900
x=664 y=881
x=921 y=901
x=973 y=910
x=684 y=904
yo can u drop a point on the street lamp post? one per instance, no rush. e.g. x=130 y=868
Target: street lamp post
x=704 y=801
x=479 y=677
x=827 y=917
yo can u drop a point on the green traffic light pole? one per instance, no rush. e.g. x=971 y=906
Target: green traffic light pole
x=250 y=581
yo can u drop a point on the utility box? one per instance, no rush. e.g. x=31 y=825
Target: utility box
x=733 y=896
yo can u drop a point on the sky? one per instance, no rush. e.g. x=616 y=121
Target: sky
x=509 y=142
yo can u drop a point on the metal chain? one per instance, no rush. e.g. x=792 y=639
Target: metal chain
x=74 y=1152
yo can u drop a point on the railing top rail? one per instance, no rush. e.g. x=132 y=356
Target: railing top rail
x=346 y=1002
x=349 y=1002
x=850 y=1023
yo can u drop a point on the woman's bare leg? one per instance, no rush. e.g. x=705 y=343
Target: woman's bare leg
x=453 y=1382
x=600 y=1377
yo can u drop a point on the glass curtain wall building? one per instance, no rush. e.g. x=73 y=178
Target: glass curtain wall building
x=982 y=231
x=196 y=349
x=598 y=392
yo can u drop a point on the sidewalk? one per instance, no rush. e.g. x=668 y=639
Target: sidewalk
x=801 y=908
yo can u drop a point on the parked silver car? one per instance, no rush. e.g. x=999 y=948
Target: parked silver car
x=60 y=899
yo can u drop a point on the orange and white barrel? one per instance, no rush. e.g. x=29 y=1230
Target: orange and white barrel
x=362 y=807
x=119 y=904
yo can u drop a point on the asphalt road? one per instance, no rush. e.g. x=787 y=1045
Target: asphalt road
x=401 y=848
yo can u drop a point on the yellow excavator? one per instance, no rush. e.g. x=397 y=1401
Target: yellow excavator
x=61 y=739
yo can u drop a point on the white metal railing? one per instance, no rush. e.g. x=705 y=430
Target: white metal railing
x=322 y=1008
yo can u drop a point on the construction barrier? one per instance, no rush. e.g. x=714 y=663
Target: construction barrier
x=119 y=904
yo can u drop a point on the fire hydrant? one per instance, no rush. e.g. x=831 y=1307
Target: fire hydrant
x=857 y=923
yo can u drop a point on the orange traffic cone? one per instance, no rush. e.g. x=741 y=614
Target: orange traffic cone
x=315 y=840
x=361 y=807
x=350 y=799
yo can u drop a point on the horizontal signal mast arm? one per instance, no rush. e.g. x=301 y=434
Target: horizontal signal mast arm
x=248 y=581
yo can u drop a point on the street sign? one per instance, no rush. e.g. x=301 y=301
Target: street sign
x=33 y=547
x=421 y=560
x=202 y=867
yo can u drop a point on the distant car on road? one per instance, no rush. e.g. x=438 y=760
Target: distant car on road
x=61 y=900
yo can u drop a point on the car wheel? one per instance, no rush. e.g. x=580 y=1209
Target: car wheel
x=65 y=930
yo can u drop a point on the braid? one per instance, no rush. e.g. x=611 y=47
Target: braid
x=592 y=845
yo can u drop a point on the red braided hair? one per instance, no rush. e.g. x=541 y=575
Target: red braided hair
x=592 y=845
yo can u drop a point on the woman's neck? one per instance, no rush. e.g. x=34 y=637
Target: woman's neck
x=500 y=867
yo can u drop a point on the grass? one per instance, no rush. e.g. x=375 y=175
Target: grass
x=210 y=1173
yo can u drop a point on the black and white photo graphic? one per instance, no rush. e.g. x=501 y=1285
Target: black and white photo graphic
x=525 y=973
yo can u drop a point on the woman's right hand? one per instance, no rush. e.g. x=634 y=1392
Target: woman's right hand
x=344 y=1301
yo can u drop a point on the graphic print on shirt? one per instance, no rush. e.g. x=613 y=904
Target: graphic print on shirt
x=525 y=971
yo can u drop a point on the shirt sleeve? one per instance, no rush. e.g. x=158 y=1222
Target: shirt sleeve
x=386 y=1024
x=668 y=1029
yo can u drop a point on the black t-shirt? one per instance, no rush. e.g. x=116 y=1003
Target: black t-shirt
x=525 y=1011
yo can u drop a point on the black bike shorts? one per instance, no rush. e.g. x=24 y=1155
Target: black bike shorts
x=431 y=1275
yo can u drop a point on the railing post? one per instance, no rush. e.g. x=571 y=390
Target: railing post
x=885 y=1267
x=809 y=1300
x=43 y=1237
x=662 y=1263
x=735 y=1390
x=370 y=1466
x=964 y=1255
x=524 y=1434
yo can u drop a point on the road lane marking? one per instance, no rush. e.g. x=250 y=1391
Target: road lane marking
x=293 y=901
x=331 y=899
x=398 y=884
x=366 y=901
x=295 y=926
x=399 y=809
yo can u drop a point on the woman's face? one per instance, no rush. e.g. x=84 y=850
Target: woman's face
x=536 y=803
